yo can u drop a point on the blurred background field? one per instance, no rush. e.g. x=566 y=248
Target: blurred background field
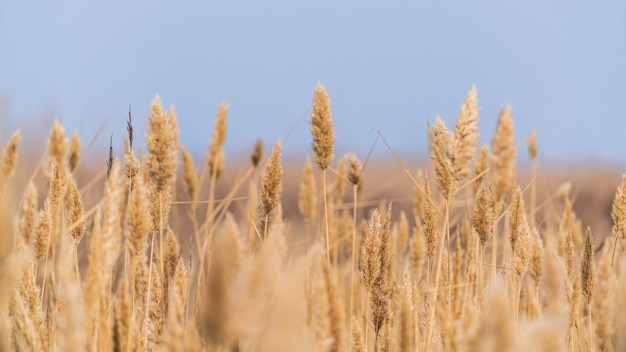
x=591 y=185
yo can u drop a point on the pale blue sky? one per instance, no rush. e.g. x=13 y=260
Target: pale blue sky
x=388 y=65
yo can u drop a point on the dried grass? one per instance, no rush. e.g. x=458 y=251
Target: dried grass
x=115 y=269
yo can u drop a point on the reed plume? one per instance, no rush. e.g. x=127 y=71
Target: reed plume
x=162 y=141
x=588 y=278
x=73 y=158
x=515 y=220
x=532 y=145
x=439 y=138
x=271 y=186
x=57 y=145
x=503 y=157
x=480 y=167
x=190 y=177
x=214 y=158
x=465 y=136
x=321 y=127
x=29 y=213
x=618 y=214
x=308 y=195
x=257 y=153
x=9 y=158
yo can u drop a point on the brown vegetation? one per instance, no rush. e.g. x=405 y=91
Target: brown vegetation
x=468 y=254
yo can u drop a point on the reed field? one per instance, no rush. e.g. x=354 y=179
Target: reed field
x=158 y=251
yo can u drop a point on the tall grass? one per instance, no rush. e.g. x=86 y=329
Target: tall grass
x=482 y=263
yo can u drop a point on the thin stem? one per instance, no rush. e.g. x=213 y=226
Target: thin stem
x=161 y=257
x=494 y=249
x=533 y=192
x=45 y=270
x=209 y=211
x=326 y=216
x=149 y=287
x=365 y=319
x=376 y=341
x=446 y=229
x=352 y=267
x=76 y=262
x=590 y=328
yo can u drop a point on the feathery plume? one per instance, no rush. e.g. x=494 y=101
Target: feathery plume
x=75 y=211
x=74 y=154
x=308 y=194
x=588 y=268
x=271 y=184
x=536 y=257
x=483 y=213
x=9 y=157
x=430 y=233
x=618 y=213
x=321 y=127
x=515 y=220
x=43 y=230
x=532 y=145
x=465 y=136
x=354 y=174
x=257 y=154
x=162 y=141
x=439 y=138
x=190 y=177
x=29 y=213
x=57 y=144
x=480 y=166
x=503 y=157
x=214 y=158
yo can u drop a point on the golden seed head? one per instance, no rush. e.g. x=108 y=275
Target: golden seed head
x=618 y=212
x=9 y=157
x=439 y=138
x=162 y=141
x=271 y=186
x=321 y=127
x=57 y=144
x=191 y=179
x=532 y=145
x=465 y=138
x=515 y=221
x=503 y=157
x=74 y=155
x=308 y=194
x=484 y=213
x=354 y=174
x=257 y=154
x=75 y=210
x=215 y=159
x=480 y=166
x=588 y=268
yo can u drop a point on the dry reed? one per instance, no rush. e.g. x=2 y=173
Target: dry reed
x=83 y=269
